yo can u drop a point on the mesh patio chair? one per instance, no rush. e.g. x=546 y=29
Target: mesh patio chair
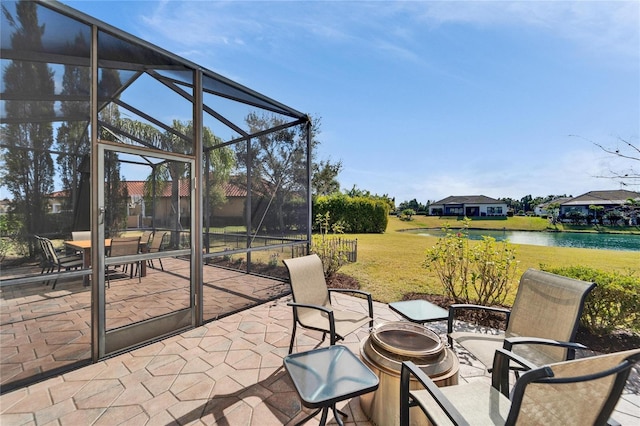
x=541 y=325
x=312 y=302
x=577 y=392
x=53 y=262
x=156 y=245
x=125 y=246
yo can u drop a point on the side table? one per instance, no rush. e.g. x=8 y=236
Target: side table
x=322 y=377
x=419 y=311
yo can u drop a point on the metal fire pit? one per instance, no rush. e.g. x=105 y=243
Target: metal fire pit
x=384 y=350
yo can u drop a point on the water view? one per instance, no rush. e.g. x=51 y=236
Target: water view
x=555 y=239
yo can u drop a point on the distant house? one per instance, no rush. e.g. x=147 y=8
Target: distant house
x=468 y=205
x=541 y=210
x=609 y=200
x=4 y=206
x=136 y=211
x=56 y=200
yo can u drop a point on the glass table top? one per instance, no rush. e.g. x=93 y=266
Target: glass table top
x=419 y=310
x=327 y=375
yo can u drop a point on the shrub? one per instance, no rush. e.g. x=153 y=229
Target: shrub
x=407 y=214
x=482 y=273
x=355 y=214
x=612 y=305
x=331 y=250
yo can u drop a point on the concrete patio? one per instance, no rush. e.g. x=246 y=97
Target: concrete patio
x=227 y=372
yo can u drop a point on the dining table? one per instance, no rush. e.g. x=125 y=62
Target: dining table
x=84 y=246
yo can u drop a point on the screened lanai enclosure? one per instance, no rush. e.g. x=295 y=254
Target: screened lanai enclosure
x=106 y=133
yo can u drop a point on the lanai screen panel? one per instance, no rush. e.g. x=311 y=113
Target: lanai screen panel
x=44 y=114
x=139 y=107
x=45 y=89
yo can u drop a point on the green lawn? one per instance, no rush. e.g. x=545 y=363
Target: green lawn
x=391 y=264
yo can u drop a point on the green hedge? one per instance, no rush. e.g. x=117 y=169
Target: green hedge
x=613 y=304
x=357 y=215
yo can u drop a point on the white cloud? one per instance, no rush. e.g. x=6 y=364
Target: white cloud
x=573 y=173
x=597 y=26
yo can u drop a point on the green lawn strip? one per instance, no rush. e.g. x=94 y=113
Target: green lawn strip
x=515 y=223
x=391 y=264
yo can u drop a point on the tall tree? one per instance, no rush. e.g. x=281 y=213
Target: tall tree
x=220 y=162
x=116 y=195
x=72 y=137
x=28 y=170
x=324 y=178
x=277 y=162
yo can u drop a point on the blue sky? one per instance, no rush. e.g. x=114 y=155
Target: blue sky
x=428 y=99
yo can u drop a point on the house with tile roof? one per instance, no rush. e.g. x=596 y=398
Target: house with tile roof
x=608 y=200
x=233 y=207
x=468 y=205
x=542 y=209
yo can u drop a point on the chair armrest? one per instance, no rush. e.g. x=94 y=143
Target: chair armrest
x=350 y=290
x=307 y=305
x=410 y=369
x=329 y=312
x=501 y=367
x=469 y=307
x=360 y=292
x=510 y=341
x=572 y=346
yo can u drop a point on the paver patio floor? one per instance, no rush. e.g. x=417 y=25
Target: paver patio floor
x=227 y=372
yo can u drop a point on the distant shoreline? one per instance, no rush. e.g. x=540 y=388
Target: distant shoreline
x=577 y=231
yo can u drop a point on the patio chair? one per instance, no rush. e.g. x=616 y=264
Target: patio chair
x=53 y=262
x=156 y=245
x=312 y=302
x=541 y=326
x=145 y=238
x=125 y=246
x=80 y=235
x=578 y=392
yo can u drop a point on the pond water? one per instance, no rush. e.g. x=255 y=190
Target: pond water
x=554 y=239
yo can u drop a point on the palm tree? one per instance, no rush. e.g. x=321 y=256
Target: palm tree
x=218 y=164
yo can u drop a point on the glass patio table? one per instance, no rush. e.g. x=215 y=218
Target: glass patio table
x=419 y=311
x=84 y=246
x=325 y=376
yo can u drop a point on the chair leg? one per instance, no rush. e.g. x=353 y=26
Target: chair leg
x=56 y=280
x=161 y=267
x=293 y=336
